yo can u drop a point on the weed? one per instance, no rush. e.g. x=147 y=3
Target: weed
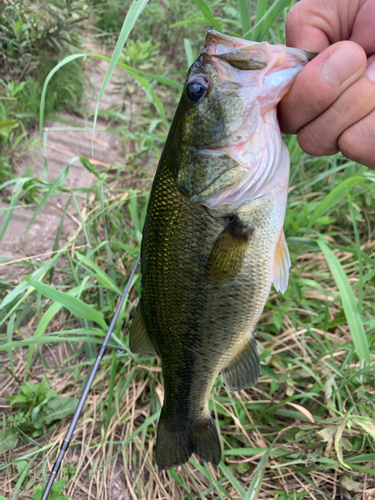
x=32 y=32
x=142 y=55
x=39 y=407
x=34 y=37
x=56 y=492
x=110 y=15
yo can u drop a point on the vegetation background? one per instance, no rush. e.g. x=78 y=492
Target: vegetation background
x=307 y=429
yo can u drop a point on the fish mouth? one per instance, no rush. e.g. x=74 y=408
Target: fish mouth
x=239 y=53
x=253 y=64
x=221 y=45
x=254 y=56
x=300 y=52
x=262 y=74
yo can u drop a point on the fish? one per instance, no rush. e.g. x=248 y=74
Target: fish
x=213 y=240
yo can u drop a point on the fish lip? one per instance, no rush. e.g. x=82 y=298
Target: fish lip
x=218 y=45
x=226 y=43
x=231 y=42
x=300 y=53
x=242 y=54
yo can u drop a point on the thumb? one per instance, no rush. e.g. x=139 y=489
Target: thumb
x=320 y=83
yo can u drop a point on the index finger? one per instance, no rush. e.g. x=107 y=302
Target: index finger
x=305 y=30
x=313 y=25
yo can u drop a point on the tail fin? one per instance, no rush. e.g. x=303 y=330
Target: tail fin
x=175 y=443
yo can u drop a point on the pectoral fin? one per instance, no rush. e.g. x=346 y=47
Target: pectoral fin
x=281 y=265
x=139 y=340
x=229 y=251
x=243 y=371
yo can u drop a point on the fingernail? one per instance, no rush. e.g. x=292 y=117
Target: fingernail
x=341 y=65
x=370 y=71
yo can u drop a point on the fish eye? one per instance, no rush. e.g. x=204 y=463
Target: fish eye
x=197 y=88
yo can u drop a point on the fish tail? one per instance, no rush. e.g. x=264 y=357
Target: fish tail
x=175 y=443
x=205 y=441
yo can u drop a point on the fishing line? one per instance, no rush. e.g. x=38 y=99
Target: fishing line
x=66 y=442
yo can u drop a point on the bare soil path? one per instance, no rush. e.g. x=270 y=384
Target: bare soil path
x=64 y=143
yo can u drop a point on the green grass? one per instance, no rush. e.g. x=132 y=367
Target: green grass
x=304 y=431
x=35 y=36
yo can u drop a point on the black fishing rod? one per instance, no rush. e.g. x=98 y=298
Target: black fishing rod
x=86 y=390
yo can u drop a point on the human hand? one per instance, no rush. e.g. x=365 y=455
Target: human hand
x=331 y=105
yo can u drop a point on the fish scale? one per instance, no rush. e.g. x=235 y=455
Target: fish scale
x=208 y=263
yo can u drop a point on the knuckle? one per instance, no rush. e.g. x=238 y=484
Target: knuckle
x=351 y=141
x=356 y=142
x=287 y=120
x=298 y=15
x=293 y=21
x=314 y=141
x=293 y=14
x=299 y=107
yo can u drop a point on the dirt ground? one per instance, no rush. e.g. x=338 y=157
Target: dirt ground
x=64 y=143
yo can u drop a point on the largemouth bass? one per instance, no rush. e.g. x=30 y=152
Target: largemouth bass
x=213 y=240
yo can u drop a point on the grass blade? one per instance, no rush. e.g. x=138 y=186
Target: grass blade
x=61 y=178
x=243 y=7
x=211 y=479
x=259 y=31
x=159 y=78
x=186 y=21
x=51 y=338
x=42 y=325
x=147 y=85
x=256 y=483
x=348 y=302
x=134 y=12
x=233 y=481
x=62 y=63
x=22 y=478
x=333 y=198
x=16 y=193
x=111 y=406
x=136 y=72
x=206 y=11
x=189 y=53
x=143 y=426
x=21 y=287
x=75 y=306
x=100 y=275
x=89 y=166
x=359 y=255
x=10 y=331
x=261 y=10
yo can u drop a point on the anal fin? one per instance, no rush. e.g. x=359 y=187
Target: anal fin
x=281 y=265
x=139 y=339
x=229 y=251
x=243 y=370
